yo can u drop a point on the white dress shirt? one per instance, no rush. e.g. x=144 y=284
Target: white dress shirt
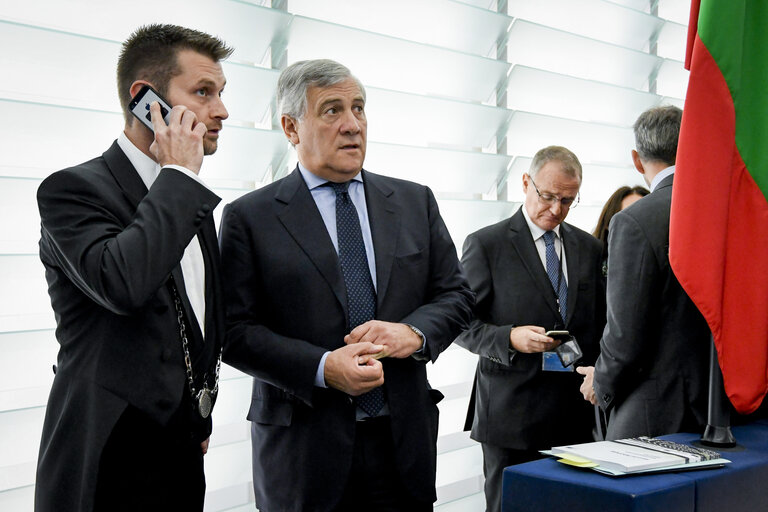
x=663 y=174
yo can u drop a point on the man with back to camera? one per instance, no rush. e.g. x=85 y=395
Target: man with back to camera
x=132 y=263
x=342 y=285
x=652 y=373
x=532 y=273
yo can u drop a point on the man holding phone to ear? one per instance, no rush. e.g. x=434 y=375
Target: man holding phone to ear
x=132 y=263
x=532 y=274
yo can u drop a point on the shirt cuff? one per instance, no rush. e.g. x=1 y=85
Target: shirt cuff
x=320 y=375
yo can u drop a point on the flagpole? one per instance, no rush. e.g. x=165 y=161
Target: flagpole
x=718 y=432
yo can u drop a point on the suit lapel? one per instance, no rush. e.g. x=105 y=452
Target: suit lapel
x=522 y=240
x=302 y=220
x=384 y=217
x=125 y=174
x=134 y=190
x=572 y=262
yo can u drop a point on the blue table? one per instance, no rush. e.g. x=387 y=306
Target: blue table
x=742 y=486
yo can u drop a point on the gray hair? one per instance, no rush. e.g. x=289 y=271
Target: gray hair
x=571 y=164
x=298 y=77
x=656 y=134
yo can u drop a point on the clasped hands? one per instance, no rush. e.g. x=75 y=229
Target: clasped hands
x=355 y=368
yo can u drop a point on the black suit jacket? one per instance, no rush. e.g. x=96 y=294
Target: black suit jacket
x=514 y=403
x=108 y=247
x=286 y=306
x=652 y=372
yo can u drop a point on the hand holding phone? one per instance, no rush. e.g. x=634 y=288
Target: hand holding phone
x=180 y=142
x=139 y=106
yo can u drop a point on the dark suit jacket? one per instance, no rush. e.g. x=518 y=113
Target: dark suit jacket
x=515 y=404
x=653 y=366
x=286 y=306
x=109 y=247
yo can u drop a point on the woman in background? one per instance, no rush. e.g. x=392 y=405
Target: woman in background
x=619 y=200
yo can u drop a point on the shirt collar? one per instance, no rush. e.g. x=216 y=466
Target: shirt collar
x=663 y=174
x=313 y=181
x=536 y=231
x=147 y=168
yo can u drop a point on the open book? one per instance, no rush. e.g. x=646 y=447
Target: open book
x=636 y=455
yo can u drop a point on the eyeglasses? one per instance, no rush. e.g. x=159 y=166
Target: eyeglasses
x=550 y=199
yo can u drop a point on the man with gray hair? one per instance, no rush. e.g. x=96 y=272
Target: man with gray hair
x=651 y=375
x=532 y=274
x=342 y=284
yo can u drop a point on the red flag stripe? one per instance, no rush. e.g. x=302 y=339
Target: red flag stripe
x=727 y=235
x=693 y=28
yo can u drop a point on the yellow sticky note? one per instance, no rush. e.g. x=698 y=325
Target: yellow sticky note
x=575 y=460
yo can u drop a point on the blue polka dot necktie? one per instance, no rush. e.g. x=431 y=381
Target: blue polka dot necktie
x=555 y=274
x=361 y=296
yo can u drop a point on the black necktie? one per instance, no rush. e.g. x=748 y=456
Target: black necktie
x=555 y=273
x=361 y=296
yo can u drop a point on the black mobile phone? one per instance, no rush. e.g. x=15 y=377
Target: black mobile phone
x=139 y=105
x=558 y=335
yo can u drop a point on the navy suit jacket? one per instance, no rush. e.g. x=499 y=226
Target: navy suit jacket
x=286 y=306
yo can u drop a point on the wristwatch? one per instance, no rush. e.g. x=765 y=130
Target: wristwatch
x=420 y=355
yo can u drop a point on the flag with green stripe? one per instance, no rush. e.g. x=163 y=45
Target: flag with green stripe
x=719 y=223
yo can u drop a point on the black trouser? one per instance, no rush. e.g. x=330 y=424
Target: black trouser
x=148 y=467
x=495 y=459
x=374 y=484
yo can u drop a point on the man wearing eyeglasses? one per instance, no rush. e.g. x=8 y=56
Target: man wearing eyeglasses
x=532 y=274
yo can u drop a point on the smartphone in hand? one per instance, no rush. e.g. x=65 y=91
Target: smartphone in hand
x=558 y=335
x=140 y=103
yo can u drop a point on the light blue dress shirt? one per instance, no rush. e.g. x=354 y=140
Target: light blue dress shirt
x=663 y=174
x=325 y=199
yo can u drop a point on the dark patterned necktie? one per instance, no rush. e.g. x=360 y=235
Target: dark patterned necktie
x=554 y=271
x=361 y=296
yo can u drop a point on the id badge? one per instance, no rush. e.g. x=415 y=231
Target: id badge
x=550 y=362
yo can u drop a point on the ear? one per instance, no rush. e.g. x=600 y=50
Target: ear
x=133 y=91
x=290 y=128
x=525 y=182
x=136 y=86
x=638 y=163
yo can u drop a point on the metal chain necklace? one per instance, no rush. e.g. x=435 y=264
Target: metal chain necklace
x=204 y=397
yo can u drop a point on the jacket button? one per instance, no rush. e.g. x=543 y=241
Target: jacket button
x=206 y=208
